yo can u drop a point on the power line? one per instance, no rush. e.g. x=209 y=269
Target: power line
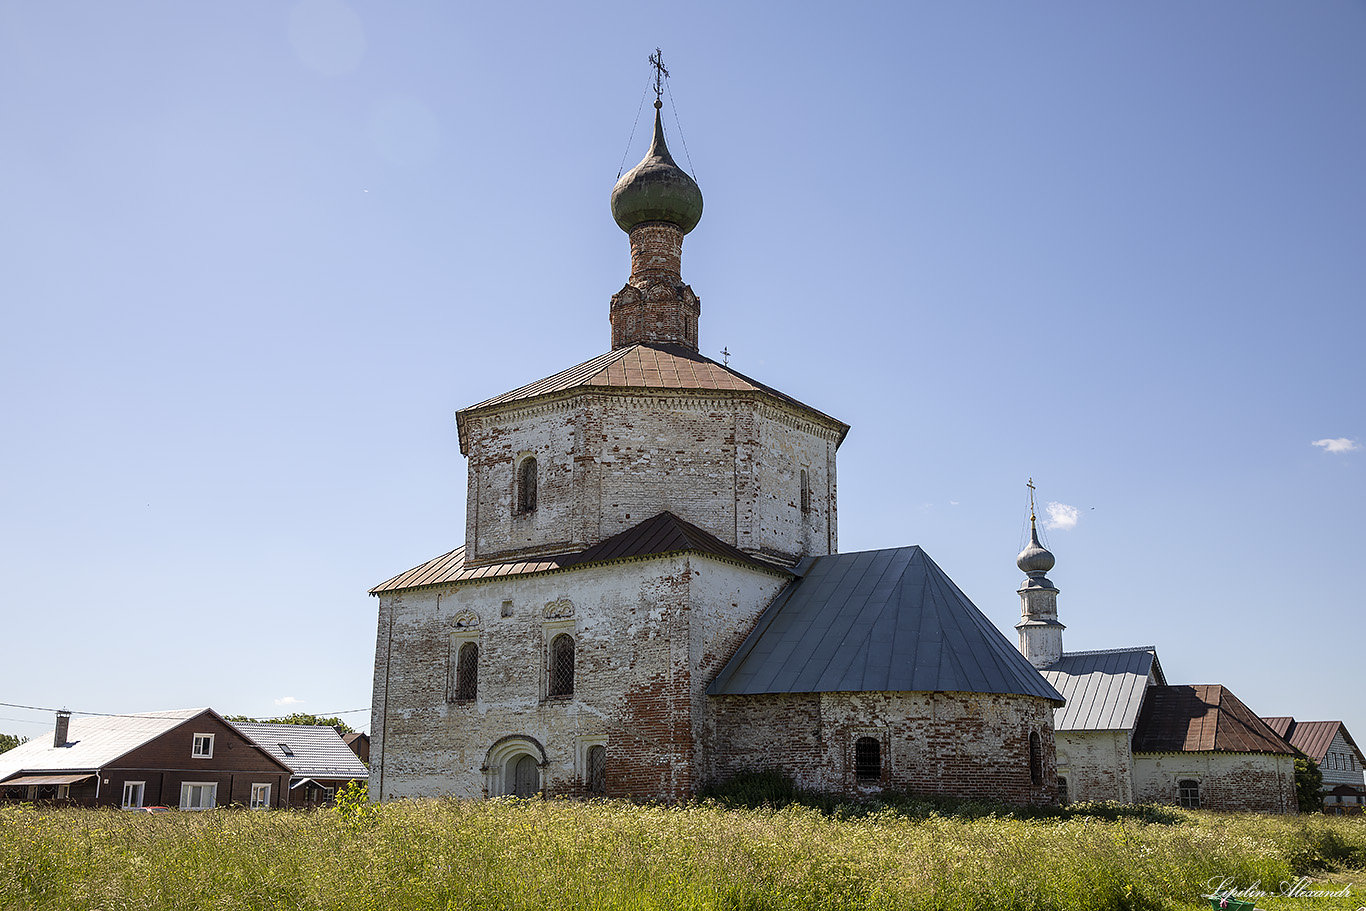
x=41 y=708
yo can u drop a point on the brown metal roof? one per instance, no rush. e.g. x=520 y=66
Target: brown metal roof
x=643 y=367
x=1201 y=718
x=1312 y=738
x=662 y=534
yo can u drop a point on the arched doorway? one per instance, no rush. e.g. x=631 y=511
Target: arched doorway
x=523 y=776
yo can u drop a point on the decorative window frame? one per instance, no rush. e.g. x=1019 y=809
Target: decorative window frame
x=201 y=747
x=458 y=638
x=142 y=795
x=549 y=630
x=260 y=795
x=581 y=747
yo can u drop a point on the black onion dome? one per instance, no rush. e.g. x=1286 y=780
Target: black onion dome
x=657 y=190
x=1035 y=558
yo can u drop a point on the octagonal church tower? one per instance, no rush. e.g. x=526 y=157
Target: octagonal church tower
x=652 y=425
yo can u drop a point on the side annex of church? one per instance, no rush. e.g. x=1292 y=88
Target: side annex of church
x=650 y=596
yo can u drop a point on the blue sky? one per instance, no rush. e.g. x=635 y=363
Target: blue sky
x=257 y=255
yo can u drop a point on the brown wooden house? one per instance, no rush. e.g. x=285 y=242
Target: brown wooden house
x=190 y=759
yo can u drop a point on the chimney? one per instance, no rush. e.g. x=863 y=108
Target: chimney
x=63 y=724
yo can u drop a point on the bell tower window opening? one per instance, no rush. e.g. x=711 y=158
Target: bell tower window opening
x=526 y=485
x=467 y=672
x=562 y=666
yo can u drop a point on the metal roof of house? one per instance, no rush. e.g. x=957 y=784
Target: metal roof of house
x=313 y=751
x=1312 y=738
x=643 y=367
x=1103 y=689
x=1201 y=718
x=658 y=535
x=92 y=741
x=881 y=620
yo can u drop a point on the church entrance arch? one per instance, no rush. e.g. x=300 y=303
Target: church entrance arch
x=513 y=766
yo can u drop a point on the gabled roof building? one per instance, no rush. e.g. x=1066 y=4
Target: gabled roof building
x=191 y=759
x=1340 y=760
x=319 y=760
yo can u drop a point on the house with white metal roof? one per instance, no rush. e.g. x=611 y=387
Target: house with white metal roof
x=191 y=759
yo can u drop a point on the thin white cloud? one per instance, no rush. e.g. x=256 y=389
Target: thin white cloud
x=1341 y=444
x=1061 y=516
x=953 y=502
x=288 y=700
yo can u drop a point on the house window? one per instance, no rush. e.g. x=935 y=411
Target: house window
x=806 y=492
x=198 y=795
x=132 y=794
x=1062 y=791
x=597 y=769
x=562 y=666
x=1035 y=758
x=1188 y=793
x=260 y=797
x=63 y=792
x=526 y=485
x=203 y=746
x=467 y=672
x=867 y=759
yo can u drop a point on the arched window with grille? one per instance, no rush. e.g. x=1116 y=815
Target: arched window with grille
x=562 y=666
x=467 y=672
x=597 y=769
x=1062 y=791
x=526 y=485
x=1188 y=793
x=1035 y=758
x=867 y=759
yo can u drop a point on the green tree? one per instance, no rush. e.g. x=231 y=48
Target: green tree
x=10 y=741
x=1308 y=783
x=299 y=718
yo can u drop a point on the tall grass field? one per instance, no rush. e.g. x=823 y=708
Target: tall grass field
x=555 y=854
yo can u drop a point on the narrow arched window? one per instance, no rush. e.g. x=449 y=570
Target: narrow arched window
x=562 y=666
x=1062 y=791
x=467 y=672
x=597 y=769
x=867 y=759
x=1188 y=793
x=526 y=485
x=806 y=492
x=1035 y=758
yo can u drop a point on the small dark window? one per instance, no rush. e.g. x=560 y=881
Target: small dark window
x=867 y=759
x=562 y=666
x=1062 y=790
x=467 y=672
x=1188 y=793
x=597 y=769
x=806 y=492
x=526 y=485
x=1035 y=758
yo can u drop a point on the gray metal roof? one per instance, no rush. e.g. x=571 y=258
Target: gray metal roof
x=92 y=741
x=314 y=751
x=877 y=621
x=1104 y=689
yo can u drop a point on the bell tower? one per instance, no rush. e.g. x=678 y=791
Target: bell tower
x=1040 y=631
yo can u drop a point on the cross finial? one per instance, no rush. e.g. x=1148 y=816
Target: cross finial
x=725 y=355
x=657 y=61
x=1030 y=485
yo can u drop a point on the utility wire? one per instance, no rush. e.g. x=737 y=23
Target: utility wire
x=633 y=131
x=680 y=129
x=40 y=708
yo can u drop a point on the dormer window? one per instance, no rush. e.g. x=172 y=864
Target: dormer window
x=526 y=485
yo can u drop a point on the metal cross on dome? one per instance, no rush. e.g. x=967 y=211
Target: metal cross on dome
x=657 y=61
